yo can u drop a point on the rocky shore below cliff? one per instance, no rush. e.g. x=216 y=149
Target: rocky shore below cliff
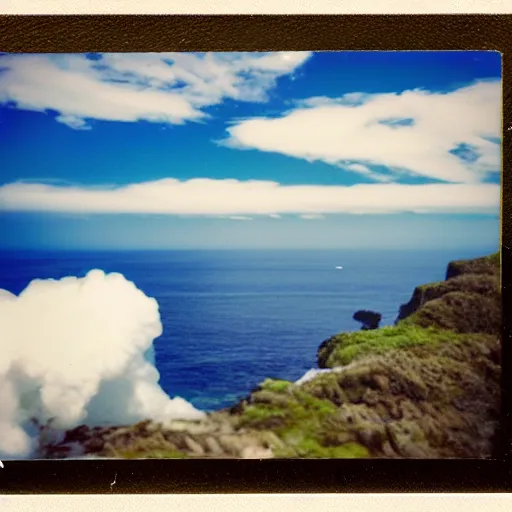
x=427 y=387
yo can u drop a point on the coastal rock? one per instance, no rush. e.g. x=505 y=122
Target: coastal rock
x=461 y=312
x=487 y=285
x=438 y=369
x=369 y=319
x=214 y=437
x=488 y=265
x=255 y=452
x=213 y=446
x=194 y=446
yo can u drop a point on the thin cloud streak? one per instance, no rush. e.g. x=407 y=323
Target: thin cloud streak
x=235 y=198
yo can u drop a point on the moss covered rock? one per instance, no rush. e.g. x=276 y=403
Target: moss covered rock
x=437 y=396
x=486 y=285
x=300 y=420
x=344 y=348
x=488 y=265
x=430 y=385
x=468 y=301
x=461 y=313
x=447 y=394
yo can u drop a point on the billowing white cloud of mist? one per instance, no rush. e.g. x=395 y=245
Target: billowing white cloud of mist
x=79 y=351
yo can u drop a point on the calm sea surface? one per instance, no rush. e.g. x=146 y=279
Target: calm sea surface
x=232 y=318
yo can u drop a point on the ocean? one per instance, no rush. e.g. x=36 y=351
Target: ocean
x=232 y=318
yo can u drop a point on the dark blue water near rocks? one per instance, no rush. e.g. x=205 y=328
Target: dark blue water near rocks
x=232 y=318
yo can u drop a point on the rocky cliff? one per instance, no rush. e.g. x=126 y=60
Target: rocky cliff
x=428 y=387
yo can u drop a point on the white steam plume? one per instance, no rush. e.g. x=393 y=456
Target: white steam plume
x=79 y=350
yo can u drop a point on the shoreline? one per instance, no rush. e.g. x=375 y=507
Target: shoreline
x=368 y=403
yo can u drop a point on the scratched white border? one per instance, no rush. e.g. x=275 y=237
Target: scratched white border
x=255 y=6
x=260 y=503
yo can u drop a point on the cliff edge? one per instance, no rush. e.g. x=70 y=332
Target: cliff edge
x=427 y=387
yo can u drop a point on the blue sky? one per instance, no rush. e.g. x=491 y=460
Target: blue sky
x=288 y=149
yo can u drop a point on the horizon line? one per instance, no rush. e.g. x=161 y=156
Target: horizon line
x=226 y=249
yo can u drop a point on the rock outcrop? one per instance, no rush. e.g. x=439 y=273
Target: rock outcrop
x=369 y=319
x=479 y=277
x=215 y=437
x=427 y=387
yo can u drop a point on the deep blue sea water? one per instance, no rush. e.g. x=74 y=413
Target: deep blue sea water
x=233 y=318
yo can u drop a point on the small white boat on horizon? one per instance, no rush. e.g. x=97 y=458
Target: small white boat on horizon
x=339 y=268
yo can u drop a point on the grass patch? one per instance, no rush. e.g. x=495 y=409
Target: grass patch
x=300 y=407
x=300 y=445
x=257 y=413
x=347 y=347
x=297 y=422
x=308 y=403
x=276 y=385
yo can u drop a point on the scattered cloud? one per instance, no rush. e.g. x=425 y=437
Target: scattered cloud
x=414 y=131
x=162 y=87
x=365 y=170
x=230 y=197
x=239 y=217
x=73 y=122
x=312 y=216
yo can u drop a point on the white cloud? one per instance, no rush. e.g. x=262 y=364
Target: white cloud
x=73 y=122
x=413 y=131
x=163 y=87
x=229 y=197
x=366 y=171
x=311 y=216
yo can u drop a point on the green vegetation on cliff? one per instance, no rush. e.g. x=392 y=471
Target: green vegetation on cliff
x=434 y=396
x=469 y=301
x=302 y=422
x=344 y=348
x=430 y=385
x=489 y=265
x=472 y=277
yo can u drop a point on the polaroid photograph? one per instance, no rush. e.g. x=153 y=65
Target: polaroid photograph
x=250 y=256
